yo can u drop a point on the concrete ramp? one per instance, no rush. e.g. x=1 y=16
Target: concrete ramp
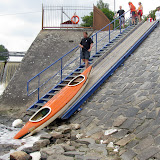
x=107 y=62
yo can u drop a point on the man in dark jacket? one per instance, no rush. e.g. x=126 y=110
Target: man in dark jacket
x=86 y=44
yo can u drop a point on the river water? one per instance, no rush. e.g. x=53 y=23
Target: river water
x=8 y=132
x=6 y=137
x=1 y=88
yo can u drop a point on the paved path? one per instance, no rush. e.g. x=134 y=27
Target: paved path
x=130 y=101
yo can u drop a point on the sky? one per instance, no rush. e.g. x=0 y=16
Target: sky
x=18 y=31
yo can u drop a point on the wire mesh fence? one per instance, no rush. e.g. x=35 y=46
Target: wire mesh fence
x=64 y=16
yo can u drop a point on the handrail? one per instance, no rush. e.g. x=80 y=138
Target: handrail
x=73 y=50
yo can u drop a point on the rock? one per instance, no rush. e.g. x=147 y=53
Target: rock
x=110 y=145
x=49 y=151
x=69 y=148
x=18 y=123
x=79 y=136
x=119 y=121
x=41 y=144
x=75 y=126
x=67 y=135
x=20 y=155
x=77 y=145
x=83 y=149
x=125 y=140
x=99 y=148
x=78 y=157
x=64 y=129
x=59 y=141
x=73 y=136
x=46 y=136
x=59 y=157
x=73 y=153
x=56 y=135
x=86 y=141
x=110 y=131
x=29 y=150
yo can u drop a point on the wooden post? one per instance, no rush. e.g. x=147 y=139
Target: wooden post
x=42 y=16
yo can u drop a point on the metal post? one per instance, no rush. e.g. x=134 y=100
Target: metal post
x=38 y=85
x=96 y=42
x=120 y=25
x=61 y=69
x=42 y=17
x=62 y=16
x=114 y=13
x=109 y=33
x=80 y=55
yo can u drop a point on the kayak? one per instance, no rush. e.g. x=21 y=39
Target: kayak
x=56 y=106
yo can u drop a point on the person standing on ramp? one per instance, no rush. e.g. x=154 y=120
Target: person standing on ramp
x=86 y=44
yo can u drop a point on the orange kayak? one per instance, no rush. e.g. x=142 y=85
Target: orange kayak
x=56 y=106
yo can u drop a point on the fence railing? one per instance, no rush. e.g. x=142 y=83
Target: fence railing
x=58 y=70
x=60 y=16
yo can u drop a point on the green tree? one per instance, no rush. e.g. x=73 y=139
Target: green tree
x=104 y=7
x=101 y=5
x=88 y=20
x=3 y=50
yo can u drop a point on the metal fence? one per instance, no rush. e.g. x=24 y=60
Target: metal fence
x=61 y=16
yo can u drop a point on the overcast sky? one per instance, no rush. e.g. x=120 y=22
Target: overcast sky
x=18 y=31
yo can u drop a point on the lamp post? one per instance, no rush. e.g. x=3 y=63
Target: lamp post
x=114 y=13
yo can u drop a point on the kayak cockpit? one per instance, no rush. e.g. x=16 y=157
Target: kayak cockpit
x=77 y=80
x=40 y=114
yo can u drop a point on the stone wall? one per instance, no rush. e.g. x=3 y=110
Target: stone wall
x=130 y=102
x=48 y=46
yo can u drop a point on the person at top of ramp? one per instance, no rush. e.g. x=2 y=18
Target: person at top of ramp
x=140 y=11
x=157 y=14
x=133 y=12
x=86 y=44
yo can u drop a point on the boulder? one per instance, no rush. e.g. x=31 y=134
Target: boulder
x=29 y=150
x=56 y=135
x=86 y=141
x=20 y=155
x=64 y=129
x=68 y=147
x=79 y=136
x=46 y=136
x=41 y=144
x=73 y=135
x=53 y=150
x=59 y=157
x=73 y=153
x=75 y=126
x=18 y=123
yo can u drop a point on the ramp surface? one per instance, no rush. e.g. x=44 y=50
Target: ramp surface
x=108 y=62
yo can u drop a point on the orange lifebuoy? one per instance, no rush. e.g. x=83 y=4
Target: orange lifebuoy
x=74 y=21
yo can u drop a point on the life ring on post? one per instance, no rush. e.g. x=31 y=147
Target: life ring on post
x=74 y=21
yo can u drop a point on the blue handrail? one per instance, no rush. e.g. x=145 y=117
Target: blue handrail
x=74 y=49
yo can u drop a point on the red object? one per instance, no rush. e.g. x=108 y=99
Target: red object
x=133 y=8
x=74 y=21
x=140 y=11
x=149 y=19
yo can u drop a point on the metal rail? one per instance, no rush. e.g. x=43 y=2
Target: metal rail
x=94 y=36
